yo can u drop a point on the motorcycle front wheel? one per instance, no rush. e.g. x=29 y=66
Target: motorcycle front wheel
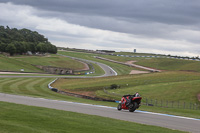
x=119 y=107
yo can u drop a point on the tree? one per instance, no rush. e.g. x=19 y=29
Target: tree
x=3 y=47
x=11 y=49
x=24 y=40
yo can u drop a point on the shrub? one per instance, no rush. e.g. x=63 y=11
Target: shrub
x=113 y=86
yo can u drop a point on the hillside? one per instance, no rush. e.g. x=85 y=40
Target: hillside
x=11 y=64
x=16 y=63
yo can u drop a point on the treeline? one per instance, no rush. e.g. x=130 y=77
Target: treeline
x=21 y=41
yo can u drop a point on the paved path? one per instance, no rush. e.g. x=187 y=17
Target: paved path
x=172 y=122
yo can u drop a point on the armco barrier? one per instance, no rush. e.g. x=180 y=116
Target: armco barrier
x=144 y=56
x=51 y=88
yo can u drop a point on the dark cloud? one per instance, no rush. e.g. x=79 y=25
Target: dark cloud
x=175 y=22
x=141 y=17
x=163 y=11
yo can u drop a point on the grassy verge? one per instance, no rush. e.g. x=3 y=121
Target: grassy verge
x=22 y=119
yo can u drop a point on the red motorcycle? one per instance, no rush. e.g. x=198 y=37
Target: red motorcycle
x=130 y=102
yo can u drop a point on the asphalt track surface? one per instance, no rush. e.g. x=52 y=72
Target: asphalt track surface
x=149 y=118
x=162 y=120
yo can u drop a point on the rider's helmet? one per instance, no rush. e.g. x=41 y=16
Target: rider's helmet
x=137 y=94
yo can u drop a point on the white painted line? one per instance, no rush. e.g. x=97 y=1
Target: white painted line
x=182 y=117
x=113 y=70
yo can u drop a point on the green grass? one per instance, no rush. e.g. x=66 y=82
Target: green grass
x=171 y=64
x=120 y=69
x=182 y=91
x=161 y=63
x=98 y=70
x=25 y=62
x=10 y=64
x=22 y=119
x=157 y=63
x=176 y=86
x=37 y=87
x=52 y=60
x=167 y=86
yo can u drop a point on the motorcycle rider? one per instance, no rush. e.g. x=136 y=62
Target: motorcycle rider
x=128 y=101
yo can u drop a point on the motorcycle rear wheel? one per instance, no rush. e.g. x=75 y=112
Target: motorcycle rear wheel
x=132 y=107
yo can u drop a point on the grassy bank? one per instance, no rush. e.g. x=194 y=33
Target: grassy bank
x=171 y=64
x=51 y=60
x=17 y=63
x=166 y=86
x=22 y=119
x=10 y=64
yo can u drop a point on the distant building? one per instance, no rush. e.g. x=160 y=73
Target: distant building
x=134 y=51
x=29 y=53
x=105 y=51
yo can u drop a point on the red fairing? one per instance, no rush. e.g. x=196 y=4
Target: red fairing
x=123 y=102
x=134 y=99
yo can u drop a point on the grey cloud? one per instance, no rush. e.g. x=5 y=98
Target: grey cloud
x=163 y=11
x=151 y=19
x=140 y=17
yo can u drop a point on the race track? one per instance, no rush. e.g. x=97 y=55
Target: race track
x=162 y=120
x=172 y=122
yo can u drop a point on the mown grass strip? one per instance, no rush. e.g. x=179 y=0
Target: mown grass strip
x=5 y=87
x=41 y=88
x=22 y=87
x=15 y=86
x=30 y=85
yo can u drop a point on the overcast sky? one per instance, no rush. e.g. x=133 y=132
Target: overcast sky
x=150 y=26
